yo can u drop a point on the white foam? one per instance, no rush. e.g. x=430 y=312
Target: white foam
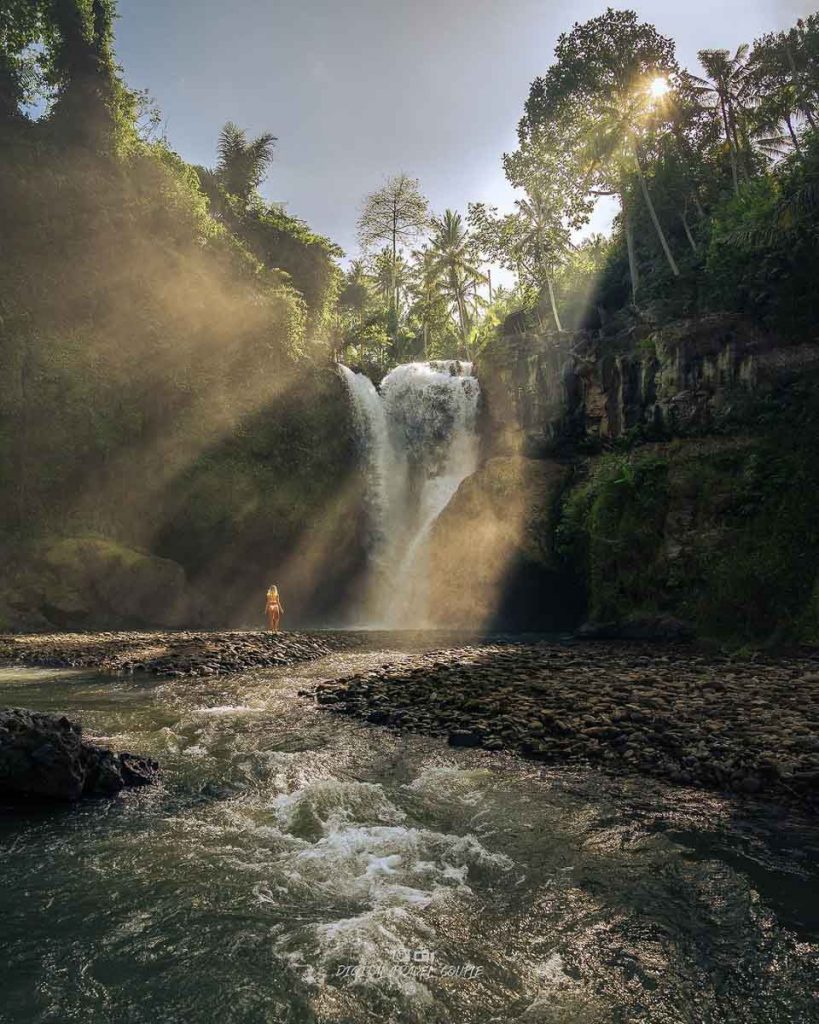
x=345 y=845
x=225 y=709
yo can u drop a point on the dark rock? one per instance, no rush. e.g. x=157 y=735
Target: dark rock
x=45 y=756
x=697 y=720
x=464 y=738
x=750 y=784
x=650 y=627
x=174 y=654
x=138 y=771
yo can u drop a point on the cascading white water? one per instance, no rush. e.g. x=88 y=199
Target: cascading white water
x=420 y=442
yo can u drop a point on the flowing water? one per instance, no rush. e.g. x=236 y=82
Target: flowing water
x=419 y=439
x=299 y=867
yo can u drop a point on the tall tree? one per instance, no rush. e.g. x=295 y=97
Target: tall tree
x=430 y=307
x=800 y=48
x=88 y=91
x=597 y=98
x=24 y=31
x=397 y=213
x=728 y=84
x=354 y=294
x=547 y=240
x=455 y=258
x=390 y=275
x=533 y=241
x=783 y=72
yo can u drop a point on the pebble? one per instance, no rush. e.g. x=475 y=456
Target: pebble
x=175 y=654
x=692 y=719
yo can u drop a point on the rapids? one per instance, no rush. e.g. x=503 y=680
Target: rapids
x=297 y=867
x=418 y=437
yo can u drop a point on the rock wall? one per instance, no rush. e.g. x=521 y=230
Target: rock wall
x=492 y=562
x=669 y=481
x=542 y=393
x=91 y=583
x=715 y=536
x=276 y=498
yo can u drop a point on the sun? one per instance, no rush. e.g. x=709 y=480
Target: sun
x=658 y=87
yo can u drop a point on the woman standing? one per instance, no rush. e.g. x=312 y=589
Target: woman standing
x=273 y=608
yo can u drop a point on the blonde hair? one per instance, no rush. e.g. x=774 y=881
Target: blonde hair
x=272 y=590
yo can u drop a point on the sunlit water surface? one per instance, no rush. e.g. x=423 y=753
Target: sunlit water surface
x=299 y=867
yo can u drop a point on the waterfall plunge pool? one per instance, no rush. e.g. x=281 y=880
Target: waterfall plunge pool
x=297 y=867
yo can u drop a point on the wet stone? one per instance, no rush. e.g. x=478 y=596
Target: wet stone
x=625 y=708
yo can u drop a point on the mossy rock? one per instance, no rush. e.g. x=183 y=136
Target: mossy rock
x=94 y=583
x=720 y=533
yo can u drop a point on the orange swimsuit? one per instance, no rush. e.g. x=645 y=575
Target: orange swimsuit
x=273 y=611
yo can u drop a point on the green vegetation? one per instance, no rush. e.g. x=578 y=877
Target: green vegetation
x=715 y=176
x=720 y=532
x=167 y=334
x=278 y=241
x=399 y=303
x=157 y=322
x=611 y=528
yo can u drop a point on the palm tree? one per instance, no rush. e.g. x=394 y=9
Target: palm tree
x=427 y=291
x=354 y=295
x=453 y=257
x=728 y=85
x=545 y=237
x=390 y=272
x=616 y=142
x=242 y=163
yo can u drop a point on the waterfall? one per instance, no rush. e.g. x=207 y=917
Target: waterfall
x=419 y=441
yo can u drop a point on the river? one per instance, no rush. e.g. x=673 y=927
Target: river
x=295 y=866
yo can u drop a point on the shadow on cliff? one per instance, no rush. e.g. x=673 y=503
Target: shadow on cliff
x=492 y=561
x=276 y=501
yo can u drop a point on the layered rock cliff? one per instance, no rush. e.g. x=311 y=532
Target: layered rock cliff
x=670 y=480
x=542 y=392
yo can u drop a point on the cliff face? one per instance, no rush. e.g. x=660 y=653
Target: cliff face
x=493 y=563
x=276 y=498
x=542 y=392
x=171 y=437
x=677 y=470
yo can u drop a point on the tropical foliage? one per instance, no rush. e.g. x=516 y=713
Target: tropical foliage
x=705 y=170
x=713 y=176
x=162 y=327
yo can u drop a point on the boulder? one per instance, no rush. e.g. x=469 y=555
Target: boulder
x=45 y=756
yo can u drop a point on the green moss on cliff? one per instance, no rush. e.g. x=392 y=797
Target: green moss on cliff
x=611 y=529
x=722 y=533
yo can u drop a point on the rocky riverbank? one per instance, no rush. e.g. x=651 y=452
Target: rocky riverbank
x=747 y=726
x=181 y=653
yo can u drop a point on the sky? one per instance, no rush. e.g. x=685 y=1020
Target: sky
x=358 y=90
